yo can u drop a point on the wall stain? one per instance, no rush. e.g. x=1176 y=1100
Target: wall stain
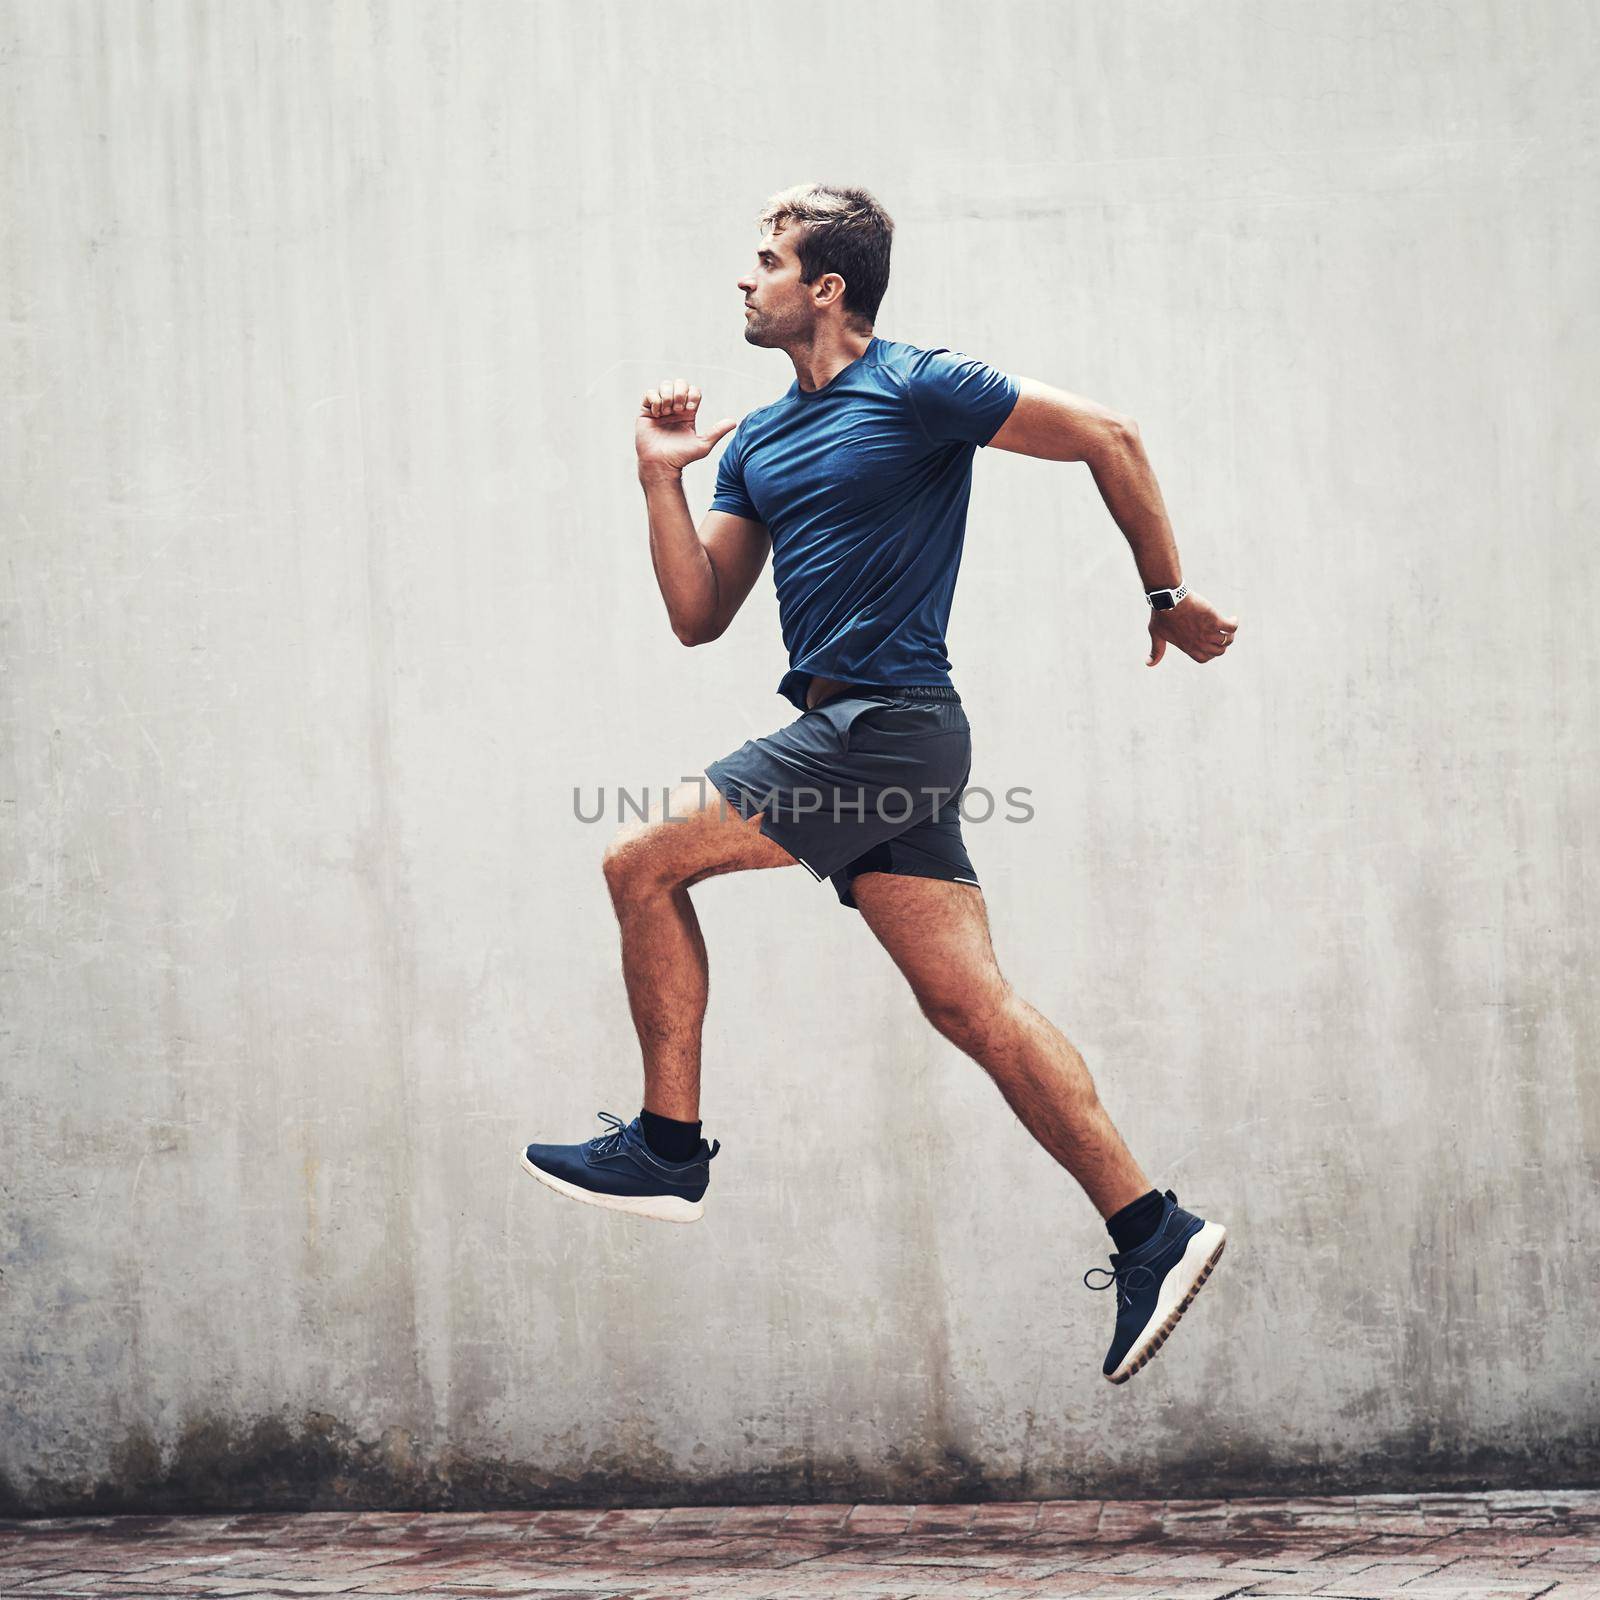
x=319 y=1464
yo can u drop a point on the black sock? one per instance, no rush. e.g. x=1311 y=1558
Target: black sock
x=1136 y=1221
x=672 y=1141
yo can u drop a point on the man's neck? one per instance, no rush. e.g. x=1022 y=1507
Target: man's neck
x=826 y=357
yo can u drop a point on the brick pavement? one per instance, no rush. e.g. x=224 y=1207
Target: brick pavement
x=1508 y=1546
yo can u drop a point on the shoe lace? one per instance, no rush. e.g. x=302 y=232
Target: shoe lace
x=604 y=1143
x=1128 y=1281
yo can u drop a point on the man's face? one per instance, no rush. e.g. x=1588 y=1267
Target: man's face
x=779 y=307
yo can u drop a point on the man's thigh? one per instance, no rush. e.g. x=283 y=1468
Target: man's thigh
x=698 y=836
x=936 y=932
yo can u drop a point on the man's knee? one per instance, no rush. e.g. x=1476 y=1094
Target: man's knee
x=627 y=859
x=973 y=1017
x=649 y=855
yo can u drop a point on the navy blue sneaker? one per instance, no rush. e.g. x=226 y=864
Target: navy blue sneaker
x=1155 y=1284
x=620 y=1171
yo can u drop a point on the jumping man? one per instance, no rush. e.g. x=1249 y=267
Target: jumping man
x=857 y=479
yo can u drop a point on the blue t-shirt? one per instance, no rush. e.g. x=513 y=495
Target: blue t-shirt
x=863 y=485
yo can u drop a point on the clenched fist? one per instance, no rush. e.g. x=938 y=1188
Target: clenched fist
x=1195 y=626
x=664 y=433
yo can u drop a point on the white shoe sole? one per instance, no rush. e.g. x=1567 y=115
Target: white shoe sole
x=662 y=1207
x=1180 y=1287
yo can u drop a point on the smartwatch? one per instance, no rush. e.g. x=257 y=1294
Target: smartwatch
x=1166 y=599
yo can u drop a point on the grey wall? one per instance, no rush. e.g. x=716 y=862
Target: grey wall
x=325 y=583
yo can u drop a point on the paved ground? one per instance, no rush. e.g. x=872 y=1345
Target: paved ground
x=1490 y=1547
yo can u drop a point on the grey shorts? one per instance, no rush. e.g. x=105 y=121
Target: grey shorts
x=868 y=781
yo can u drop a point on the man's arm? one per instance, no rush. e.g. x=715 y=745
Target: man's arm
x=1057 y=426
x=704 y=575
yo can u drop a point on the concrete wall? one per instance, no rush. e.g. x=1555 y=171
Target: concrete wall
x=325 y=584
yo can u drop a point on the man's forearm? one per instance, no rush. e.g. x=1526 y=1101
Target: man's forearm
x=684 y=573
x=1123 y=475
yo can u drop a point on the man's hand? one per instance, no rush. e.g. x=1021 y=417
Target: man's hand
x=1195 y=626
x=664 y=433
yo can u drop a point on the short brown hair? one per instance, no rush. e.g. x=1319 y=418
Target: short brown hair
x=840 y=230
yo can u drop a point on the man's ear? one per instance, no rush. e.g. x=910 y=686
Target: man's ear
x=828 y=288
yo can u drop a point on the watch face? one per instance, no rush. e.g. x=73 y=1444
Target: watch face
x=1162 y=601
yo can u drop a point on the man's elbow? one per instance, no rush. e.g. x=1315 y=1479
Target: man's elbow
x=1116 y=439
x=689 y=635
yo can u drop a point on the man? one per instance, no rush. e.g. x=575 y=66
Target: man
x=857 y=480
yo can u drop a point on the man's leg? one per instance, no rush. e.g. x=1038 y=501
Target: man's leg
x=938 y=935
x=649 y=868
